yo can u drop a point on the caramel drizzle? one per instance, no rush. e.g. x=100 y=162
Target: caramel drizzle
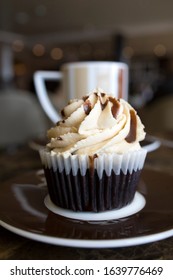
x=131 y=137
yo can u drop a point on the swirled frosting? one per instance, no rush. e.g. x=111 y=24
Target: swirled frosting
x=97 y=124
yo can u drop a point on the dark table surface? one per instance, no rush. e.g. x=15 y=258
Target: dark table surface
x=16 y=161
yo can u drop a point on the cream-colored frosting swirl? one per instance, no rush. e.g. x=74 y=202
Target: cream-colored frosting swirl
x=97 y=124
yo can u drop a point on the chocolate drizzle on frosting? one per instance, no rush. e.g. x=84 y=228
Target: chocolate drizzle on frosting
x=87 y=107
x=91 y=161
x=115 y=107
x=131 y=137
x=103 y=94
x=97 y=124
x=62 y=113
x=84 y=98
x=103 y=105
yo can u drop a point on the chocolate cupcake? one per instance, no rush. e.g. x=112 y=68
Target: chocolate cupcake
x=93 y=159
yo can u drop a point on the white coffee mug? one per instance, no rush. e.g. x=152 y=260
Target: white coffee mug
x=81 y=78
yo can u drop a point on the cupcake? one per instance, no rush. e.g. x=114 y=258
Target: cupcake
x=93 y=159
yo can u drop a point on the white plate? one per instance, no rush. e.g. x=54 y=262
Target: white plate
x=150 y=145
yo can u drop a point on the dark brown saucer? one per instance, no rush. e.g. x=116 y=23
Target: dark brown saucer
x=23 y=212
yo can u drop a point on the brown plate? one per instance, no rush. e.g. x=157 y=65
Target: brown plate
x=23 y=212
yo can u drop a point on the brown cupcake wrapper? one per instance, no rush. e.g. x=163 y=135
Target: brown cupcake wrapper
x=89 y=193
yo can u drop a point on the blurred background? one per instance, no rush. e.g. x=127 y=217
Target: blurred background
x=44 y=34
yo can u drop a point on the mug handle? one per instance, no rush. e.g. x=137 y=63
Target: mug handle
x=42 y=94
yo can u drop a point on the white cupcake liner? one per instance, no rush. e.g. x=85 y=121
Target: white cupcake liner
x=127 y=163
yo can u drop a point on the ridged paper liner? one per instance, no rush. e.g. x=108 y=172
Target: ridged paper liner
x=83 y=183
x=128 y=162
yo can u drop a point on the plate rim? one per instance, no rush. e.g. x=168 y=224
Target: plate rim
x=85 y=243
x=154 y=145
